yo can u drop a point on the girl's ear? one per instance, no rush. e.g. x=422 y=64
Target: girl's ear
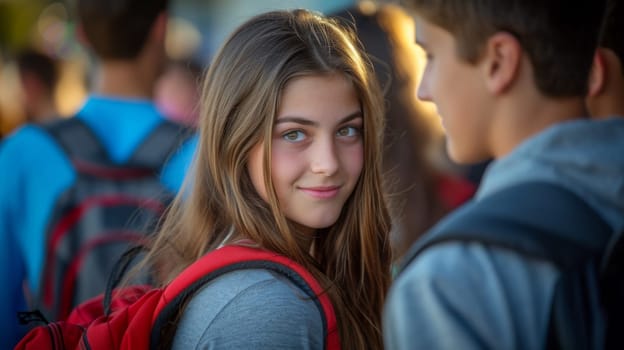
x=502 y=56
x=597 y=75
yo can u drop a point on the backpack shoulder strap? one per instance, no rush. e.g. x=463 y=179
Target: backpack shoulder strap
x=76 y=139
x=543 y=221
x=230 y=258
x=538 y=219
x=160 y=144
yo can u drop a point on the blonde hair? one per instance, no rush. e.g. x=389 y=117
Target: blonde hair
x=240 y=99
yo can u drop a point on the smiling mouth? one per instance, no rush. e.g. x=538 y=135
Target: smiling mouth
x=321 y=192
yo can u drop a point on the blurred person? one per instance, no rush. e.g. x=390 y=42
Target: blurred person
x=606 y=85
x=38 y=76
x=605 y=102
x=420 y=190
x=127 y=40
x=518 y=266
x=289 y=162
x=3 y=122
x=177 y=92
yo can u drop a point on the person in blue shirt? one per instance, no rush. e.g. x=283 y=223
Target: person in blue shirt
x=509 y=79
x=127 y=38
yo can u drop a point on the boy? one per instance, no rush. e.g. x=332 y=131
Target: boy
x=508 y=78
x=127 y=38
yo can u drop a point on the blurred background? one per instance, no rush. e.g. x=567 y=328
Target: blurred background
x=196 y=29
x=45 y=72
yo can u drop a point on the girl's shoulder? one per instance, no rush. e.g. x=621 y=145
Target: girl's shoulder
x=245 y=308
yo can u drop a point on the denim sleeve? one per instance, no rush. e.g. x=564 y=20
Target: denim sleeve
x=468 y=296
x=250 y=309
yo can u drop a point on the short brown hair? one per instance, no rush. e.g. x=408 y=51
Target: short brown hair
x=41 y=65
x=559 y=36
x=613 y=29
x=118 y=29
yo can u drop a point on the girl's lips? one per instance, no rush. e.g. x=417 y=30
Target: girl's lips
x=321 y=192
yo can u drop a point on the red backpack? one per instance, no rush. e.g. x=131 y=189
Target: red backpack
x=134 y=317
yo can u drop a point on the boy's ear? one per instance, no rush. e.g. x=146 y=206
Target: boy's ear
x=502 y=56
x=597 y=74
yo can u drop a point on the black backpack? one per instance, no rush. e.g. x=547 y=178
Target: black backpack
x=546 y=221
x=108 y=208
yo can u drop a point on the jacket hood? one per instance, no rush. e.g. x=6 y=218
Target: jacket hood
x=585 y=156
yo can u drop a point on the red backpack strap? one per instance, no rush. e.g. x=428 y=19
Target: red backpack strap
x=230 y=258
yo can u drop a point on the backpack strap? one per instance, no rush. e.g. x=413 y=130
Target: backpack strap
x=79 y=142
x=117 y=274
x=230 y=258
x=76 y=139
x=159 y=145
x=537 y=219
x=542 y=221
x=612 y=291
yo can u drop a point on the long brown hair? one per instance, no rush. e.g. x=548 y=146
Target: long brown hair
x=410 y=174
x=240 y=99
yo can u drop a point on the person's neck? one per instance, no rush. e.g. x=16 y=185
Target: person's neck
x=125 y=78
x=609 y=106
x=43 y=111
x=610 y=102
x=523 y=120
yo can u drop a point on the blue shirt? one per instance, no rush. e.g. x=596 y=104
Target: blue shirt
x=34 y=171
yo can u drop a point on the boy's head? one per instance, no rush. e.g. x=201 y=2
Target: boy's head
x=38 y=75
x=606 y=85
x=492 y=64
x=612 y=37
x=39 y=66
x=118 y=29
x=558 y=36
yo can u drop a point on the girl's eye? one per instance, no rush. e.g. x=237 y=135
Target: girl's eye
x=348 y=131
x=294 y=136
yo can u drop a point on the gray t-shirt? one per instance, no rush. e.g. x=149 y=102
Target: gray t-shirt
x=250 y=309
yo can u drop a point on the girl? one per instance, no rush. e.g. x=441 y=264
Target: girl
x=288 y=161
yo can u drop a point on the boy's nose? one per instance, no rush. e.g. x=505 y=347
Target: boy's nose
x=423 y=90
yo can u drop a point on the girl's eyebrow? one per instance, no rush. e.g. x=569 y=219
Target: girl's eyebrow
x=304 y=121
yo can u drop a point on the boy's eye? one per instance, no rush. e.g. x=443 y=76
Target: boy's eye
x=348 y=131
x=294 y=136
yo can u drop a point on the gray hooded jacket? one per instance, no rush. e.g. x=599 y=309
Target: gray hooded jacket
x=469 y=296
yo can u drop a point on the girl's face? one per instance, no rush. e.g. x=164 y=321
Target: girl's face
x=317 y=150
